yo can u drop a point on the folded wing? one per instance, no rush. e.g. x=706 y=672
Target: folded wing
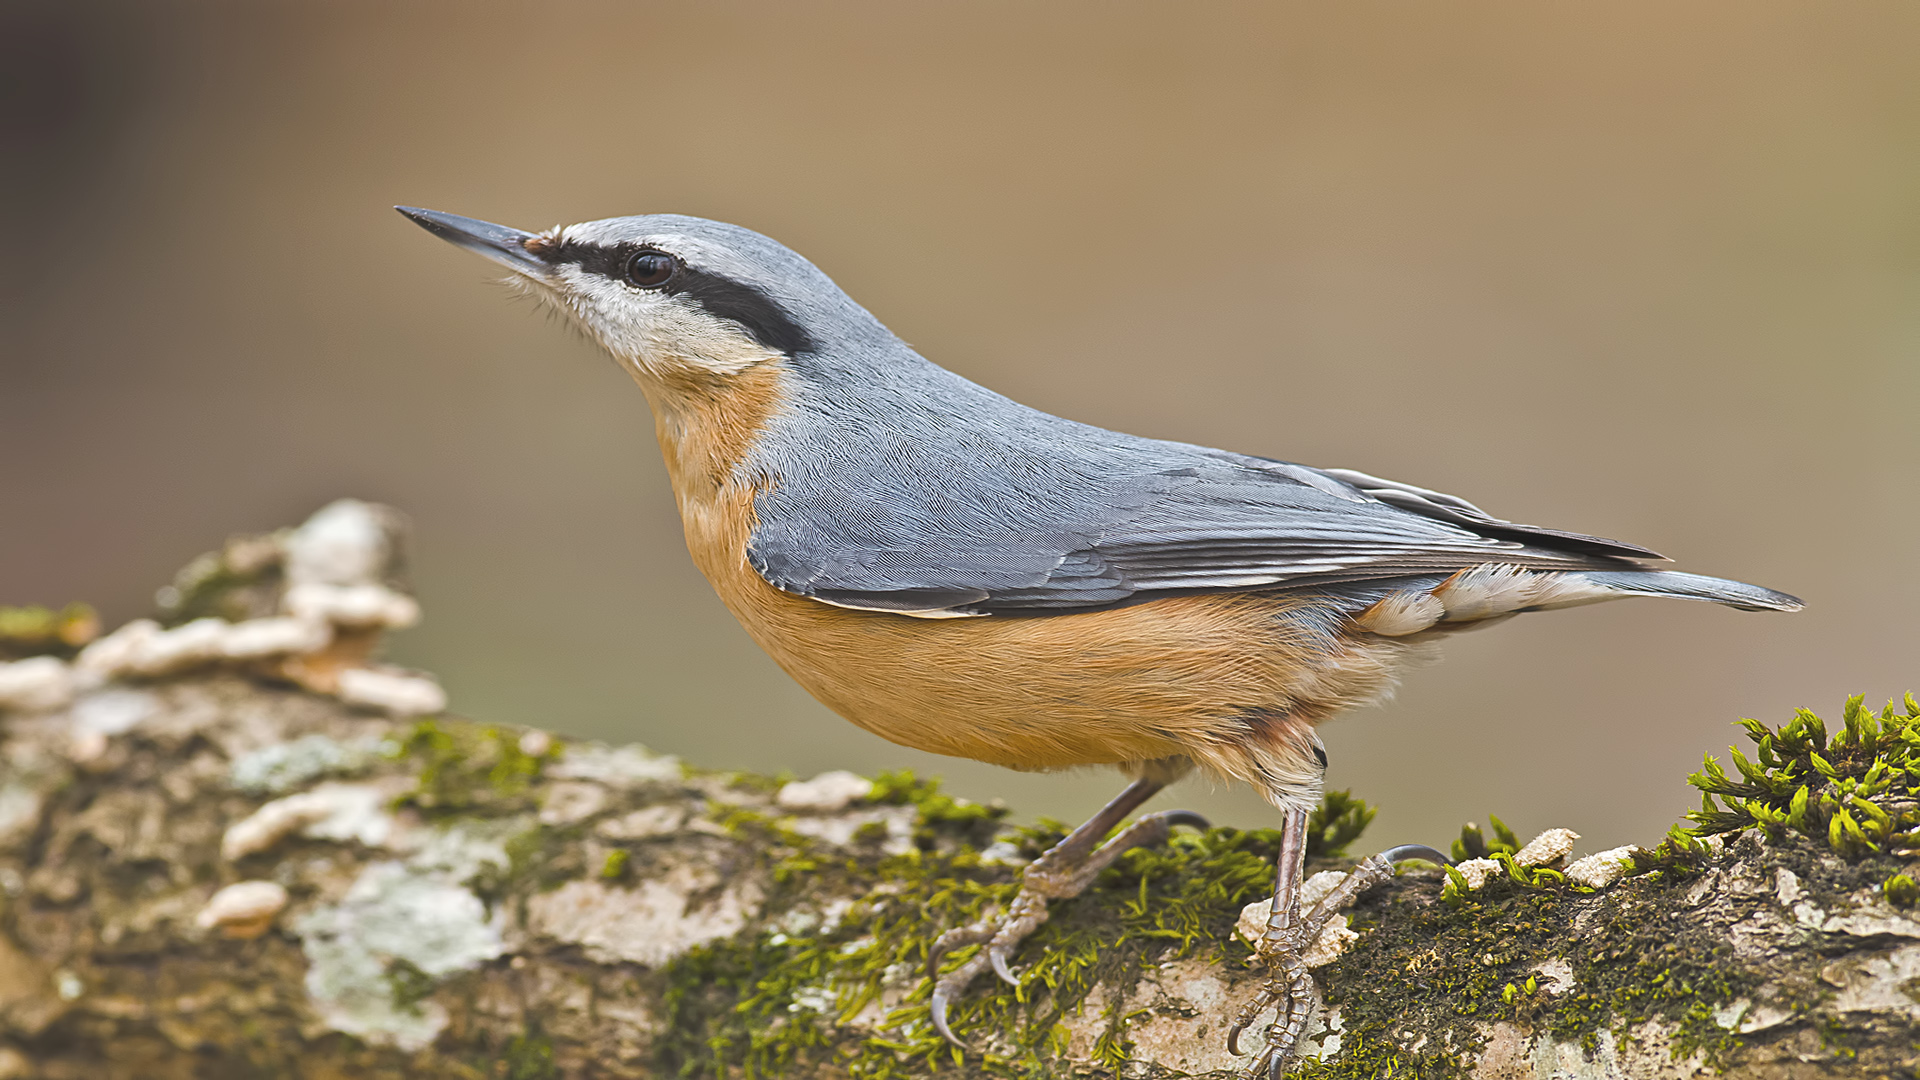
x=1001 y=531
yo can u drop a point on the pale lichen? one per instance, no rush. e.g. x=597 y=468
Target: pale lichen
x=278 y=768
x=392 y=915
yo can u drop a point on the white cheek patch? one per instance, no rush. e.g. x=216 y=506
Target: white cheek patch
x=653 y=333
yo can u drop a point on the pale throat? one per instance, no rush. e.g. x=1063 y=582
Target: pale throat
x=707 y=423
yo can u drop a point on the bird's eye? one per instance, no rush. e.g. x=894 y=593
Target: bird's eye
x=650 y=269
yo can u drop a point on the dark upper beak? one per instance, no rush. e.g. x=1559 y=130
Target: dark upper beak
x=505 y=246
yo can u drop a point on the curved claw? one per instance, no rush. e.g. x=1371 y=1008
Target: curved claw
x=1248 y=1014
x=1415 y=851
x=1233 y=1037
x=998 y=955
x=1184 y=817
x=939 y=1014
x=1276 y=1065
x=946 y=989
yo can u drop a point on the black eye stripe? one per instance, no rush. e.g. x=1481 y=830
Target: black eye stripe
x=722 y=297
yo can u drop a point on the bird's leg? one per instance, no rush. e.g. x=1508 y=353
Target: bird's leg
x=1063 y=872
x=1283 y=949
x=1289 y=984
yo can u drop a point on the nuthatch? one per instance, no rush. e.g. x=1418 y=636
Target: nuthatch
x=959 y=573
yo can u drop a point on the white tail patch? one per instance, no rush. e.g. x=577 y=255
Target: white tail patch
x=1399 y=614
x=1494 y=589
x=1486 y=592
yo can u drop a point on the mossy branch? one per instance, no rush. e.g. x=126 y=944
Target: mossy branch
x=219 y=869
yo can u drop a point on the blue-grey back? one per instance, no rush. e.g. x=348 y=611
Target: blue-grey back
x=888 y=482
x=891 y=475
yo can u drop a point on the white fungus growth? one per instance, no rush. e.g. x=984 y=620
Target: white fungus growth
x=344 y=542
x=113 y=712
x=271 y=823
x=1547 y=849
x=243 y=910
x=366 y=604
x=1477 y=871
x=257 y=639
x=329 y=812
x=36 y=684
x=826 y=793
x=114 y=654
x=401 y=693
x=1603 y=868
x=336 y=593
x=141 y=648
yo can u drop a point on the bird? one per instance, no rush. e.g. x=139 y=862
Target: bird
x=962 y=574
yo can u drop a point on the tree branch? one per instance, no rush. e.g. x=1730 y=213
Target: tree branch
x=241 y=850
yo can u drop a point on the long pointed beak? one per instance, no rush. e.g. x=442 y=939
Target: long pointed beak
x=503 y=245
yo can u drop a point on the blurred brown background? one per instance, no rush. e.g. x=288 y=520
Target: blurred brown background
x=1644 y=270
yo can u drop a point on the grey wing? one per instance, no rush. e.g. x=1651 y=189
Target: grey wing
x=1044 y=536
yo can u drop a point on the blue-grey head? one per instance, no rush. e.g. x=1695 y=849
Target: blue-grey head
x=675 y=297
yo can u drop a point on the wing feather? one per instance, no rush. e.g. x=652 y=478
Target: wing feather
x=984 y=527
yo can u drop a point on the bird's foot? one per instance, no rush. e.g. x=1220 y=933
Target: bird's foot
x=1288 y=987
x=1062 y=873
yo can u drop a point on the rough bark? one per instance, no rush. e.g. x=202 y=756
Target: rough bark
x=223 y=868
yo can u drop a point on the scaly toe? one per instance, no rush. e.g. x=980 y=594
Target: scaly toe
x=1252 y=1009
x=958 y=937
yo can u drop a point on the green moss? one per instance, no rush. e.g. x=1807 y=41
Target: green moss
x=241 y=581
x=409 y=985
x=941 y=817
x=39 y=631
x=901 y=788
x=752 y=783
x=761 y=1006
x=1901 y=891
x=542 y=858
x=1416 y=991
x=1840 y=788
x=468 y=768
x=1632 y=962
x=527 y=1057
x=1473 y=844
x=615 y=868
x=1456 y=967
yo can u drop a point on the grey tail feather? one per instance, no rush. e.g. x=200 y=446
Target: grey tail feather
x=1736 y=594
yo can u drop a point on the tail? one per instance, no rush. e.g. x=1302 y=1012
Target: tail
x=1737 y=594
